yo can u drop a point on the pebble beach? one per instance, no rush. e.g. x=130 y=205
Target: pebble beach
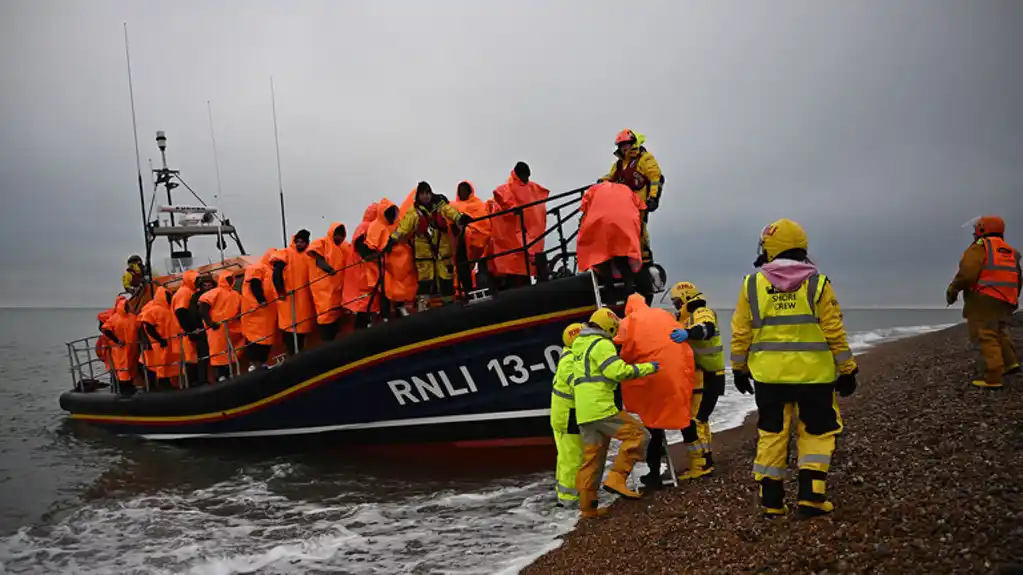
x=927 y=479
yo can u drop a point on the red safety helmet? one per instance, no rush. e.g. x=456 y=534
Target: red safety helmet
x=625 y=136
x=986 y=225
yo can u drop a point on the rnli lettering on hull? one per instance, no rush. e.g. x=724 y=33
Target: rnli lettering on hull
x=511 y=369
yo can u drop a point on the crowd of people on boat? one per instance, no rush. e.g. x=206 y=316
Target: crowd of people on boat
x=401 y=259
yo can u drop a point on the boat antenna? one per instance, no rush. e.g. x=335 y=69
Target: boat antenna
x=216 y=162
x=277 y=145
x=148 y=272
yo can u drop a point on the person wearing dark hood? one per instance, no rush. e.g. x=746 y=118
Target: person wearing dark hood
x=295 y=310
x=432 y=223
x=789 y=347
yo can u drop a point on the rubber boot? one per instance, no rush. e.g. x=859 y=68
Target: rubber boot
x=700 y=463
x=588 y=505
x=1011 y=369
x=813 y=495
x=615 y=483
x=772 y=497
x=985 y=385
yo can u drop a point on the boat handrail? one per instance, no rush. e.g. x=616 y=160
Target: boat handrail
x=76 y=347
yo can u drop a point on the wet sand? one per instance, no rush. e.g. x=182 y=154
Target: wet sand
x=927 y=479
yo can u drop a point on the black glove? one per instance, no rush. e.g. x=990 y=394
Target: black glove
x=742 y=382
x=162 y=342
x=846 y=384
x=652 y=203
x=390 y=244
x=464 y=220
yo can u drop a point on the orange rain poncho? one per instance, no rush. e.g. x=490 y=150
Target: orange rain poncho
x=259 y=324
x=328 y=293
x=225 y=304
x=357 y=286
x=157 y=313
x=182 y=300
x=296 y=275
x=610 y=226
x=400 y=279
x=103 y=343
x=125 y=357
x=661 y=400
x=506 y=230
x=477 y=235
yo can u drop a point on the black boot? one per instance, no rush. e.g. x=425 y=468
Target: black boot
x=772 y=497
x=813 y=495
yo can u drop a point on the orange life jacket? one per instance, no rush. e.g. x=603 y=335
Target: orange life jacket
x=999 y=278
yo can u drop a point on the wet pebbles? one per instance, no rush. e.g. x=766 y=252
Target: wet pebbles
x=928 y=478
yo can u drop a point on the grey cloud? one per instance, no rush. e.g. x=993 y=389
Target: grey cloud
x=880 y=126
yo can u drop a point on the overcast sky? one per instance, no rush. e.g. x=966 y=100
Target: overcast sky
x=880 y=126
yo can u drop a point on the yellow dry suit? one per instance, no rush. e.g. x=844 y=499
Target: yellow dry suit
x=566 y=429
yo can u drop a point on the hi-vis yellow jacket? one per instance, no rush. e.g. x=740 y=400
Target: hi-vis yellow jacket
x=563 y=392
x=789 y=337
x=598 y=371
x=709 y=353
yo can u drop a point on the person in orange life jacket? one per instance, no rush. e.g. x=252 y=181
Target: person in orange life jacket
x=431 y=222
x=190 y=326
x=637 y=168
x=472 y=245
x=510 y=270
x=156 y=315
x=327 y=290
x=989 y=274
x=390 y=216
x=301 y=243
x=203 y=284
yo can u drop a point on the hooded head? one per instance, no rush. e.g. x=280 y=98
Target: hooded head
x=121 y=306
x=268 y=256
x=387 y=211
x=162 y=297
x=225 y=279
x=301 y=240
x=465 y=190
x=337 y=233
x=634 y=303
x=522 y=172
x=368 y=217
x=190 y=279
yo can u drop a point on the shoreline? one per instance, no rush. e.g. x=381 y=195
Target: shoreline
x=925 y=480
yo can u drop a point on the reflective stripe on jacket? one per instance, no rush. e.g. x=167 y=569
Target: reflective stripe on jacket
x=786 y=341
x=708 y=353
x=598 y=370
x=563 y=392
x=999 y=277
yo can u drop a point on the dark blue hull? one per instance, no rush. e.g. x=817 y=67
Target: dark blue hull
x=462 y=373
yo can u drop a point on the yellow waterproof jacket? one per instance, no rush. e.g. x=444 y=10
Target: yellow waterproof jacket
x=789 y=337
x=563 y=393
x=432 y=240
x=646 y=165
x=709 y=354
x=598 y=370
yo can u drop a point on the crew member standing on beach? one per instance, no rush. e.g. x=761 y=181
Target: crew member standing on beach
x=789 y=340
x=989 y=273
x=598 y=371
x=700 y=329
x=563 y=421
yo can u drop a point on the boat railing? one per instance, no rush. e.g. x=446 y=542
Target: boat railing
x=88 y=370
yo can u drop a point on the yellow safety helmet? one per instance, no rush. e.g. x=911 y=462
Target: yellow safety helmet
x=606 y=320
x=571 y=332
x=778 y=237
x=685 y=292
